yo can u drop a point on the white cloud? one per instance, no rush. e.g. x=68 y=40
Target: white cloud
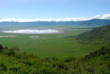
x=106 y=16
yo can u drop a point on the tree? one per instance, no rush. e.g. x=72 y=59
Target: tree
x=1 y=48
x=13 y=50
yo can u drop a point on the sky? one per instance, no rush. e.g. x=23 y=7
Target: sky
x=29 y=10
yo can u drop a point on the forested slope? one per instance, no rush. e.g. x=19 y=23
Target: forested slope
x=13 y=62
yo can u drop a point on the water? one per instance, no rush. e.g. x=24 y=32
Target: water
x=33 y=31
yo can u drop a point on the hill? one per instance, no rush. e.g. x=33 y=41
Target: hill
x=12 y=62
x=93 y=22
x=99 y=35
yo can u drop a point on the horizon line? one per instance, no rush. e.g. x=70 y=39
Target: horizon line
x=106 y=17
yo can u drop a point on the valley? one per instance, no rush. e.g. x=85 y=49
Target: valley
x=59 y=45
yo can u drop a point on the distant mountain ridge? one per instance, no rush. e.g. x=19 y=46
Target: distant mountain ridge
x=93 y=22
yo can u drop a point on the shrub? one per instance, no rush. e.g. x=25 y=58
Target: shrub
x=1 y=48
x=13 y=51
x=69 y=59
x=3 y=67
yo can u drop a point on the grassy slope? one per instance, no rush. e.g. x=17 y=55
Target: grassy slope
x=97 y=35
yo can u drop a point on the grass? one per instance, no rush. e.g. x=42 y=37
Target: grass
x=12 y=62
x=51 y=45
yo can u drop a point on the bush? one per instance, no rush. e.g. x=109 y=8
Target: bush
x=69 y=59
x=1 y=48
x=13 y=51
x=3 y=67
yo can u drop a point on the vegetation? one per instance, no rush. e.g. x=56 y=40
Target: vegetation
x=12 y=62
x=50 y=45
x=62 y=53
x=97 y=35
x=58 y=53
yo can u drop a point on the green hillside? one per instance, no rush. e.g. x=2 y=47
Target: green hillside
x=98 y=35
x=12 y=62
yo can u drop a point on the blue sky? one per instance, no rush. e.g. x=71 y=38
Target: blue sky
x=60 y=9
